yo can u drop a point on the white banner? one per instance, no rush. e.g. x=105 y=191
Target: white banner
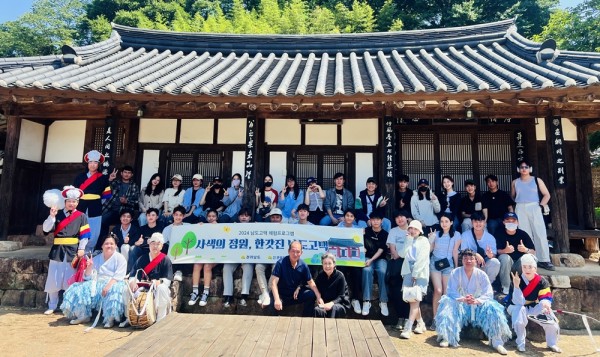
x=264 y=243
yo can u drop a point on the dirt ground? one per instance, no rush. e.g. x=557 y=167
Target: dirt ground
x=30 y=333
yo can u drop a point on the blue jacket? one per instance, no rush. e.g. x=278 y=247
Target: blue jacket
x=347 y=200
x=233 y=202
x=290 y=203
x=187 y=200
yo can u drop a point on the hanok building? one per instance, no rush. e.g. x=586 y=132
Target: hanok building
x=464 y=101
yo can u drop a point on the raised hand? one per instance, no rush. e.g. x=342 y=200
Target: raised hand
x=53 y=211
x=522 y=248
x=383 y=201
x=140 y=241
x=489 y=252
x=113 y=175
x=515 y=279
x=509 y=248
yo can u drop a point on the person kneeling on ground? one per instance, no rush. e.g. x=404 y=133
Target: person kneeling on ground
x=470 y=300
x=159 y=270
x=333 y=288
x=531 y=298
x=289 y=278
x=101 y=290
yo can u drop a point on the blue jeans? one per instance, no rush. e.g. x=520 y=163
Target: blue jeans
x=326 y=221
x=380 y=267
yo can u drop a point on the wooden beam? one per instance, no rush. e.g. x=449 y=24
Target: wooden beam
x=11 y=148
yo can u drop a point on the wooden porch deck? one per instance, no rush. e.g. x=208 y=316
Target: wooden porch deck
x=247 y=335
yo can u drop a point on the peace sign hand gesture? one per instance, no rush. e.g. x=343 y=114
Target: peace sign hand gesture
x=113 y=175
x=516 y=279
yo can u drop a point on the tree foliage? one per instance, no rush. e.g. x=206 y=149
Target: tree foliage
x=52 y=23
x=576 y=29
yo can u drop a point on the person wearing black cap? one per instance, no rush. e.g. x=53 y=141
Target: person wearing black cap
x=483 y=242
x=424 y=205
x=314 y=197
x=469 y=204
x=512 y=244
x=371 y=200
x=403 y=195
x=495 y=204
x=337 y=200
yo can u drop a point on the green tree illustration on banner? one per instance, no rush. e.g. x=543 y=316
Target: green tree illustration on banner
x=176 y=250
x=188 y=241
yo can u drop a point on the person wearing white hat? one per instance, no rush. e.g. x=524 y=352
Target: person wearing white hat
x=71 y=234
x=95 y=185
x=159 y=269
x=415 y=272
x=191 y=200
x=172 y=198
x=530 y=299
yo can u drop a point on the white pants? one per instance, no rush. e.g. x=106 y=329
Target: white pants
x=58 y=275
x=261 y=277
x=531 y=221
x=492 y=268
x=248 y=273
x=518 y=314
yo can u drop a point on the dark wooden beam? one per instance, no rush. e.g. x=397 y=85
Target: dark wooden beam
x=585 y=173
x=11 y=148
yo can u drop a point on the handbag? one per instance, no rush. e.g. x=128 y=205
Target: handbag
x=412 y=293
x=443 y=263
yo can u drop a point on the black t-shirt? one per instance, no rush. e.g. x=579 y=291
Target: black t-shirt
x=496 y=203
x=467 y=206
x=147 y=233
x=375 y=241
x=514 y=240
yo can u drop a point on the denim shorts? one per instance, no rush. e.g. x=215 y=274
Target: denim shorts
x=446 y=271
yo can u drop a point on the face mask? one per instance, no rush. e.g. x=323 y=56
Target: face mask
x=235 y=182
x=511 y=226
x=217 y=186
x=268 y=184
x=423 y=189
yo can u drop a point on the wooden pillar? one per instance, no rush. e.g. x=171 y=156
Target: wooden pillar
x=11 y=147
x=558 y=200
x=585 y=173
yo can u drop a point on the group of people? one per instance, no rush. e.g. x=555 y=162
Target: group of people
x=424 y=243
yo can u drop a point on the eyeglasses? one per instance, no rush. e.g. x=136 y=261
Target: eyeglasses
x=524 y=167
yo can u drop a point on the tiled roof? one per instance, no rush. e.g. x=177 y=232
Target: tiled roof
x=490 y=57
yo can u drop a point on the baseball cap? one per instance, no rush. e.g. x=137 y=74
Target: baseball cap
x=371 y=179
x=511 y=215
x=217 y=178
x=197 y=177
x=310 y=180
x=275 y=211
x=423 y=182
x=177 y=177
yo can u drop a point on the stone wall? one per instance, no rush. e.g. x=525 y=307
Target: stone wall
x=22 y=282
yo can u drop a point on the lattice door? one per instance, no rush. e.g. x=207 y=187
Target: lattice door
x=495 y=158
x=321 y=166
x=456 y=158
x=187 y=164
x=417 y=156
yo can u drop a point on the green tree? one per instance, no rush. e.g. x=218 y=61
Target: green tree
x=188 y=241
x=177 y=250
x=294 y=18
x=322 y=20
x=42 y=31
x=575 y=29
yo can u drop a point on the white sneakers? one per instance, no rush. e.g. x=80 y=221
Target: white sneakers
x=264 y=299
x=444 y=343
x=356 y=306
x=49 y=312
x=366 y=308
x=124 y=324
x=384 y=308
x=407 y=332
x=506 y=290
x=421 y=328
x=110 y=323
x=80 y=321
x=501 y=350
x=178 y=276
x=555 y=348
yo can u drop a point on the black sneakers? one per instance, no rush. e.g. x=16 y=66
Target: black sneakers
x=546 y=266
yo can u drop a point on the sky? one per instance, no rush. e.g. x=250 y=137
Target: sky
x=13 y=9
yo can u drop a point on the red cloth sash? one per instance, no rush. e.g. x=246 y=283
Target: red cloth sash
x=65 y=222
x=159 y=258
x=532 y=285
x=90 y=180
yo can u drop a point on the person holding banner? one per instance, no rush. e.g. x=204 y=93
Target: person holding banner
x=211 y=218
x=96 y=188
x=288 y=283
x=247 y=271
x=530 y=298
x=71 y=234
x=159 y=270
